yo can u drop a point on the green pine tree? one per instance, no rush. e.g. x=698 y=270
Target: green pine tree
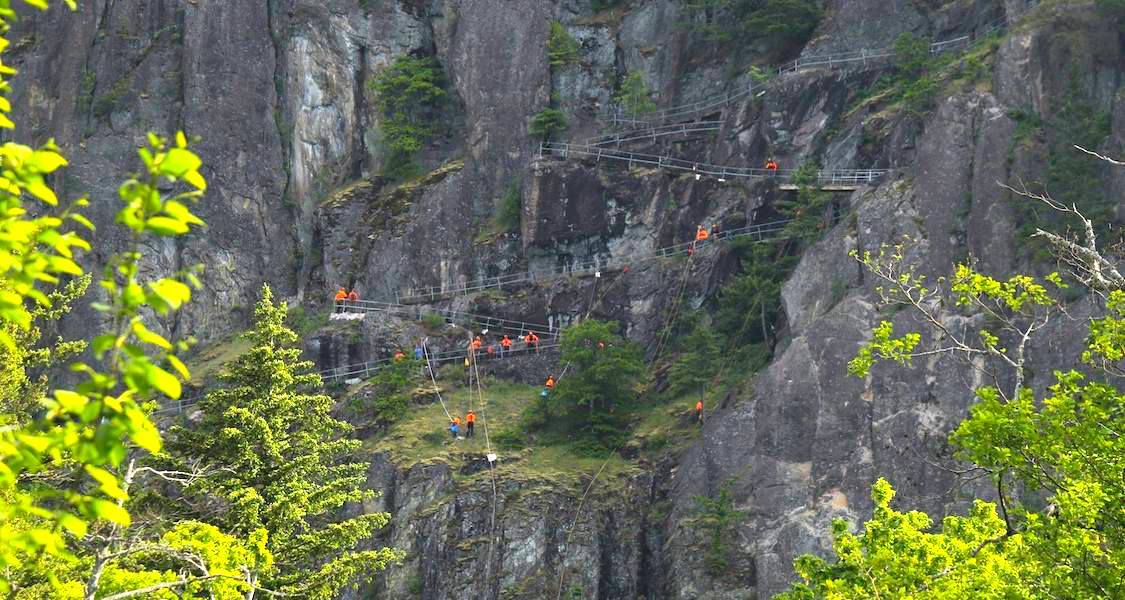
x=634 y=96
x=278 y=460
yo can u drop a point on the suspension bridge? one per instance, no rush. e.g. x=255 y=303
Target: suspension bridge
x=759 y=233
x=367 y=369
x=652 y=133
x=453 y=317
x=831 y=179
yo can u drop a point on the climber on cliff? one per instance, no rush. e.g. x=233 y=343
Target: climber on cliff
x=699 y=412
x=550 y=384
x=505 y=345
x=341 y=298
x=470 y=419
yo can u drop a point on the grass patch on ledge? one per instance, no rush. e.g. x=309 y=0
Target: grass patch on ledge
x=422 y=437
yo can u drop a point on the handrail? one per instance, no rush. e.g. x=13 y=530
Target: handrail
x=366 y=369
x=654 y=132
x=565 y=150
x=617 y=115
x=760 y=232
x=451 y=316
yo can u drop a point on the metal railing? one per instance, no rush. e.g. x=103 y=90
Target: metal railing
x=653 y=133
x=370 y=368
x=455 y=317
x=761 y=232
x=866 y=55
x=565 y=150
x=618 y=116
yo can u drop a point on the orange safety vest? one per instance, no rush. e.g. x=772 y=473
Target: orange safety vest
x=771 y=165
x=699 y=406
x=550 y=382
x=353 y=296
x=399 y=355
x=507 y=343
x=470 y=418
x=456 y=420
x=532 y=338
x=701 y=234
x=341 y=295
x=476 y=344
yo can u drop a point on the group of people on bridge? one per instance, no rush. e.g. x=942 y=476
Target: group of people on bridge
x=503 y=346
x=343 y=297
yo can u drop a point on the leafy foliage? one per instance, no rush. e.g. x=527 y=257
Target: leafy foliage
x=509 y=211
x=390 y=391
x=717 y=518
x=562 y=48
x=780 y=24
x=895 y=556
x=90 y=429
x=23 y=366
x=634 y=95
x=912 y=54
x=606 y=371
x=696 y=365
x=548 y=123
x=411 y=95
x=282 y=463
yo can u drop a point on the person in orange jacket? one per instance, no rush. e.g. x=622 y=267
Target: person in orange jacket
x=532 y=341
x=476 y=343
x=353 y=295
x=550 y=382
x=341 y=296
x=699 y=412
x=399 y=355
x=701 y=234
x=470 y=419
x=771 y=165
x=490 y=351
x=505 y=345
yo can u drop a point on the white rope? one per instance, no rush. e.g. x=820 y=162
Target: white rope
x=430 y=368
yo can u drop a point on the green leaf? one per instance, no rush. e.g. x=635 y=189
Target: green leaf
x=164 y=381
x=179 y=366
x=166 y=226
x=107 y=482
x=178 y=162
x=110 y=511
x=148 y=336
x=171 y=291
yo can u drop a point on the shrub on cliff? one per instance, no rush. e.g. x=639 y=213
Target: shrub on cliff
x=562 y=48
x=780 y=24
x=410 y=94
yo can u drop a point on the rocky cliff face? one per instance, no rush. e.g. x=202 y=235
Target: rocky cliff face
x=276 y=90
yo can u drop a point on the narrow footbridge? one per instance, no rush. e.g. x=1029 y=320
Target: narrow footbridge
x=761 y=232
x=840 y=179
x=618 y=116
x=370 y=368
x=455 y=317
x=652 y=133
